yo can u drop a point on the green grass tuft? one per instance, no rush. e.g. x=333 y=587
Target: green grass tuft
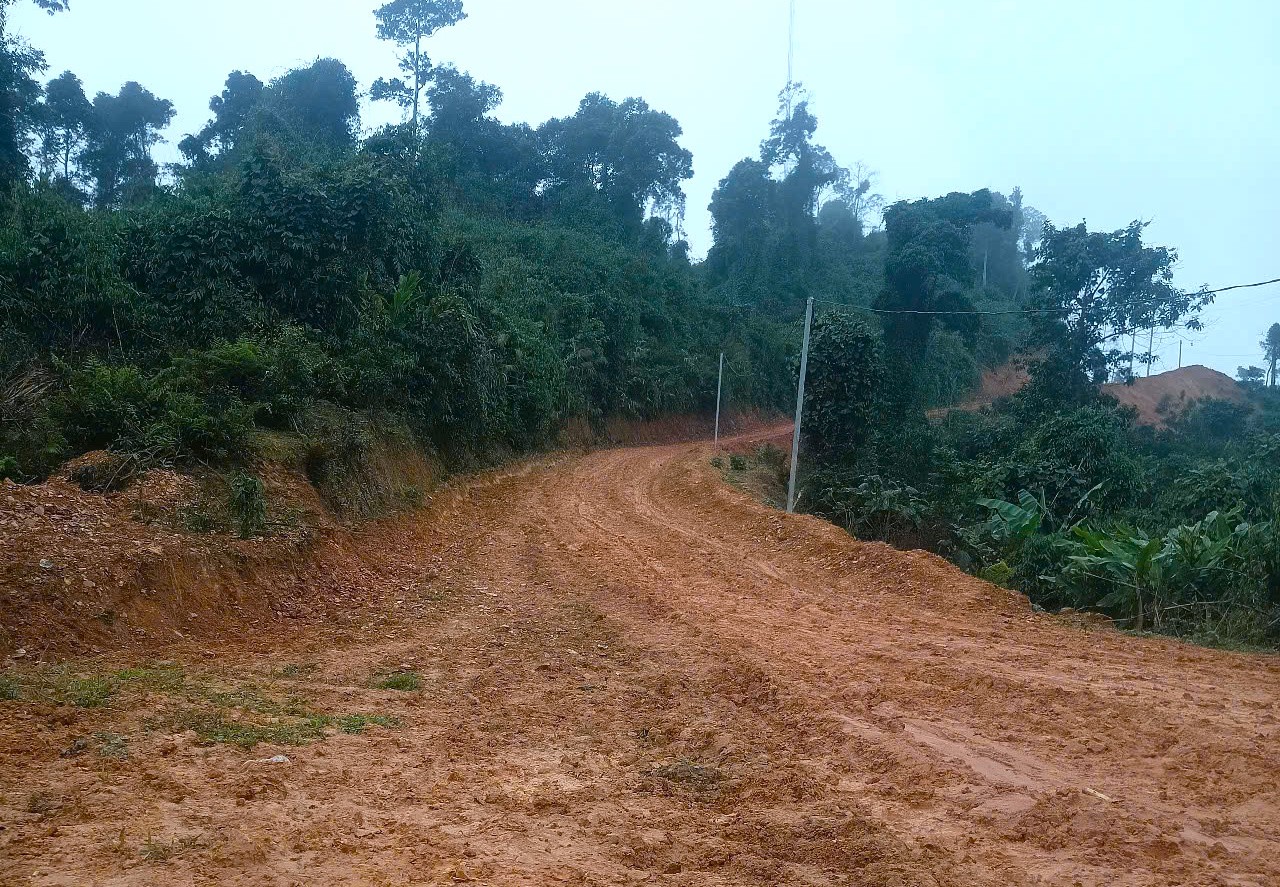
x=405 y=681
x=356 y=723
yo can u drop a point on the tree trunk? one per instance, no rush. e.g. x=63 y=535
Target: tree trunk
x=1139 y=622
x=417 y=77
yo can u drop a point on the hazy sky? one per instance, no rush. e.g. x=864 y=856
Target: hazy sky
x=1101 y=110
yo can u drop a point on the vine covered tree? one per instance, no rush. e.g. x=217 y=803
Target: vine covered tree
x=232 y=111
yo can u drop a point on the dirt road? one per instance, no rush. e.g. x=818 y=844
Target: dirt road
x=617 y=669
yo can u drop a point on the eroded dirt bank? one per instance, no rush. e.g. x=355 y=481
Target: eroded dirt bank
x=614 y=669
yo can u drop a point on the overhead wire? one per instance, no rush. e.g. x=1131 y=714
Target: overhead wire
x=1015 y=311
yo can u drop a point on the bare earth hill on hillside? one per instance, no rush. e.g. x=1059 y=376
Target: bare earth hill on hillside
x=616 y=669
x=1160 y=397
x=1157 y=398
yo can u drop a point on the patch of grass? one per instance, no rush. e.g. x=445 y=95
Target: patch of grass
x=252 y=699
x=356 y=723
x=214 y=727
x=64 y=687
x=162 y=678
x=91 y=692
x=404 y=681
x=296 y=670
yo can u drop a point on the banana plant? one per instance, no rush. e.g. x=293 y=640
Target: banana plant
x=1127 y=560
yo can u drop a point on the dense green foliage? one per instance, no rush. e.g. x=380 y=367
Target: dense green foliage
x=1056 y=491
x=480 y=284
x=476 y=288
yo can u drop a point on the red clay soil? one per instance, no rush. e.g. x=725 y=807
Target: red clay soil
x=1157 y=398
x=630 y=672
x=1163 y=396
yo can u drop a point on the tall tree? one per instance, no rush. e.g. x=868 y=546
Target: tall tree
x=232 y=111
x=1271 y=352
x=123 y=130
x=627 y=153
x=407 y=23
x=929 y=268
x=1095 y=291
x=64 y=120
x=806 y=168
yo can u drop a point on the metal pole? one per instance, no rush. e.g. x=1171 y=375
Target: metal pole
x=795 y=434
x=1151 y=341
x=719 y=388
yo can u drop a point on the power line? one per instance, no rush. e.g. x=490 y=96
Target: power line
x=1224 y=289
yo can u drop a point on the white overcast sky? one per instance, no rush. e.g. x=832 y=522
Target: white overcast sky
x=1101 y=110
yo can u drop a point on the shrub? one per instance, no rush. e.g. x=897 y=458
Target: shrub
x=247 y=505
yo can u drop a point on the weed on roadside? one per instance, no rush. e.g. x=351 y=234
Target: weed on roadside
x=243 y=716
x=112 y=745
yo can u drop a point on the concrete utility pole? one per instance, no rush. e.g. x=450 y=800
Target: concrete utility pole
x=719 y=388
x=795 y=435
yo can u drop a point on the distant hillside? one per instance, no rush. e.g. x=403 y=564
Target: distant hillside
x=1163 y=396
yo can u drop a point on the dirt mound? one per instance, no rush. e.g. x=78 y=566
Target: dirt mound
x=1162 y=397
x=84 y=571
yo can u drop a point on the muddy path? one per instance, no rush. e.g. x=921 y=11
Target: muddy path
x=616 y=669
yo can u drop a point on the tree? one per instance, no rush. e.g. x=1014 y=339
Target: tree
x=232 y=111
x=19 y=93
x=743 y=221
x=1095 y=291
x=407 y=23
x=122 y=131
x=1029 y=226
x=928 y=275
x=491 y=161
x=1251 y=376
x=846 y=372
x=626 y=153
x=63 y=123
x=315 y=106
x=807 y=168
x=1271 y=352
